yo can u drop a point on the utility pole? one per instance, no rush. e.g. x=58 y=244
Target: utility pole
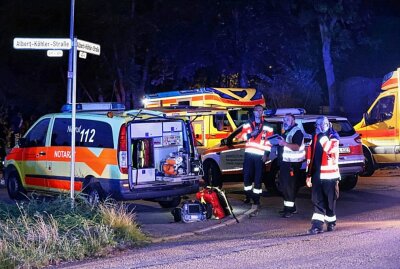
x=71 y=51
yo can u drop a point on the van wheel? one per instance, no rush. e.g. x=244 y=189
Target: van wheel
x=14 y=186
x=94 y=194
x=212 y=175
x=348 y=182
x=170 y=203
x=369 y=164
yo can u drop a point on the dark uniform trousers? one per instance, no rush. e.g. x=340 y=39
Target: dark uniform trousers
x=324 y=195
x=289 y=175
x=253 y=167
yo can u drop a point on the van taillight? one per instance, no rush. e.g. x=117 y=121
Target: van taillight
x=122 y=150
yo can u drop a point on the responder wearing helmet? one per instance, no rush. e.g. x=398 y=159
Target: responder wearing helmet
x=291 y=155
x=255 y=132
x=323 y=175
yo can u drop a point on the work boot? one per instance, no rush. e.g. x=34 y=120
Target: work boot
x=331 y=227
x=286 y=210
x=315 y=230
x=254 y=210
x=287 y=214
x=247 y=200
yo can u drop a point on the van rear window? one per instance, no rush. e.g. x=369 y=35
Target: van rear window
x=343 y=127
x=89 y=133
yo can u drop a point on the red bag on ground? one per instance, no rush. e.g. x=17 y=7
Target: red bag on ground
x=208 y=195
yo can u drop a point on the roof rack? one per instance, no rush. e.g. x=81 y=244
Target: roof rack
x=101 y=106
x=284 y=111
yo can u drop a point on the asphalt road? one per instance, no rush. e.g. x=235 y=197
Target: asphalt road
x=367 y=235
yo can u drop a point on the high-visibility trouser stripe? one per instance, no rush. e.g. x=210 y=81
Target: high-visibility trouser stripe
x=288 y=204
x=254 y=151
x=257 y=191
x=248 y=188
x=317 y=216
x=330 y=219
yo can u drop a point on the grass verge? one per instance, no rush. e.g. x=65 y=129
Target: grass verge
x=42 y=231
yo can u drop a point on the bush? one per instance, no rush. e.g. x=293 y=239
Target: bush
x=44 y=231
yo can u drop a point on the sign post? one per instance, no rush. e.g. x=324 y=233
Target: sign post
x=54 y=47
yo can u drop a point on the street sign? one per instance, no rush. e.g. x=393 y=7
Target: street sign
x=55 y=53
x=42 y=43
x=82 y=55
x=88 y=47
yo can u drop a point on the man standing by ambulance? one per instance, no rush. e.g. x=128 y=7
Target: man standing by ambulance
x=323 y=175
x=255 y=132
x=291 y=155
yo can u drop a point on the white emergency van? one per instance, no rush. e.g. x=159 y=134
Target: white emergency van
x=128 y=155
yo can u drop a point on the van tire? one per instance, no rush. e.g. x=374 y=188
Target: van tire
x=14 y=186
x=212 y=174
x=348 y=182
x=369 y=164
x=170 y=203
x=271 y=180
x=94 y=194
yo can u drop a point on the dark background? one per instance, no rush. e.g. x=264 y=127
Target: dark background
x=158 y=45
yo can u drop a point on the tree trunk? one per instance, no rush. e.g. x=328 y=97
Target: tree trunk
x=328 y=65
x=243 y=78
x=139 y=93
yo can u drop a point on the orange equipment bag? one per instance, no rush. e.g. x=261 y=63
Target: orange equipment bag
x=208 y=195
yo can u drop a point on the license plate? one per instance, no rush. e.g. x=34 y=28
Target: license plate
x=344 y=150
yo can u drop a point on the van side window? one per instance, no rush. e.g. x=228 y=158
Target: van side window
x=382 y=111
x=221 y=123
x=37 y=135
x=88 y=133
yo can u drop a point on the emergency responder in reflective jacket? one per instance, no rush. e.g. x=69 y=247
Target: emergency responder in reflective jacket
x=323 y=175
x=291 y=155
x=255 y=132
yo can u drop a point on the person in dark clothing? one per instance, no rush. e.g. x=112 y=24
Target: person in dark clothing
x=291 y=156
x=323 y=175
x=255 y=132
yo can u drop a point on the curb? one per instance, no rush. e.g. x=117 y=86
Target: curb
x=204 y=230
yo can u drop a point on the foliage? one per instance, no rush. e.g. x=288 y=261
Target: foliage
x=296 y=87
x=157 y=45
x=40 y=232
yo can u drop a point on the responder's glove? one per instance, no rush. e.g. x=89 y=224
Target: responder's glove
x=308 y=182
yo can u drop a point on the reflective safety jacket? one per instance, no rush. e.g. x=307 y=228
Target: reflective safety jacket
x=330 y=157
x=289 y=155
x=258 y=144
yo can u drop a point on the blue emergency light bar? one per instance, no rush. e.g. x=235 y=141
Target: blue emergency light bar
x=112 y=106
x=284 y=111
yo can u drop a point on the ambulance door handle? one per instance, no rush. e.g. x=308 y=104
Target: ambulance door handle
x=390 y=127
x=42 y=153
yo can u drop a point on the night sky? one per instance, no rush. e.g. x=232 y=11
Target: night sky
x=159 y=45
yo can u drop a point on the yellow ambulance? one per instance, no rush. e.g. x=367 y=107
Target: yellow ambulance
x=379 y=127
x=233 y=103
x=128 y=155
